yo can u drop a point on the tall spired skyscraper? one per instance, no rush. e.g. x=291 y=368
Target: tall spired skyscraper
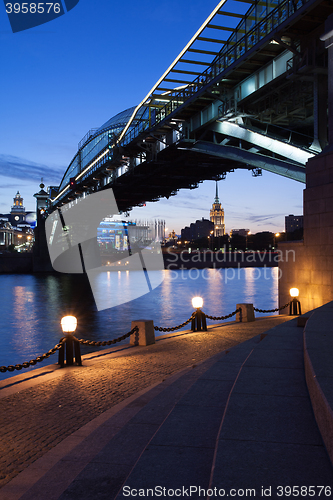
x=217 y=216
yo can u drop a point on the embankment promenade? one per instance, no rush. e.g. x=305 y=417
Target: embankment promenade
x=227 y=412
x=41 y=408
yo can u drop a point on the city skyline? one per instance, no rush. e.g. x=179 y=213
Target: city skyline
x=76 y=72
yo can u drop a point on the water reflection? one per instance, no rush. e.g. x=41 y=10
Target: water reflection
x=33 y=305
x=24 y=318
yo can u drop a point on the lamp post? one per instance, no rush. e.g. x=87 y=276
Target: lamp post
x=72 y=345
x=276 y=235
x=199 y=318
x=295 y=305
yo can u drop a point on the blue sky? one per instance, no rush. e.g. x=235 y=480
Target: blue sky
x=70 y=75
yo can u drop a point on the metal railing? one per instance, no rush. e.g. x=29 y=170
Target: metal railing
x=233 y=51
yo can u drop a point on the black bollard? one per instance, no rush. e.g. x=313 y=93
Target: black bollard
x=295 y=307
x=199 y=321
x=70 y=350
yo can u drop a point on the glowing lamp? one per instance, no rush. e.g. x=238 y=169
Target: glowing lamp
x=68 y=324
x=70 y=345
x=295 y=305
x=198 y=317
x=197 y=302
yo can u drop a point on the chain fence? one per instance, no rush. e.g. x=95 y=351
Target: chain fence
x=108 y=342
x=221 y=318
x=32 y=362
x=172 y=329
x=272 y=310
x=56 y=348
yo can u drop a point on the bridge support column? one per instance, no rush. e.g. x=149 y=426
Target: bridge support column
x=308 y=264
x=328 y=39
x=320 y=111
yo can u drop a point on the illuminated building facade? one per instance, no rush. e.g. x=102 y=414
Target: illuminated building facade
x=293 y=222
x=217 y=216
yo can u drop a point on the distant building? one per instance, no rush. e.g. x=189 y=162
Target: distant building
x=239 y=232
x=18 y=214
x=202 y=228
x=21 y=236
x=6 y=234
x=186 y=234
x=18 y=210
x=217 y=216
x=293 y=222
x=113 y=234
x=198 y=229
x=172 y=236
x=16 y=227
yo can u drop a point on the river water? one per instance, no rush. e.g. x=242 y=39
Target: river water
x=33 y=305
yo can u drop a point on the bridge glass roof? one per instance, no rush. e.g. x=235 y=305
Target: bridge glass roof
x=120 y=118
x=95 y=141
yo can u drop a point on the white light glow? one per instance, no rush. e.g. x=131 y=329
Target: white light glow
x=68 y=324
x=197 y=302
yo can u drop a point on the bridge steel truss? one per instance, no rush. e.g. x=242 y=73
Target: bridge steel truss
x=258 y=102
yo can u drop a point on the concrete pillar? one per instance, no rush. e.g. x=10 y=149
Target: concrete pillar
x=311 y=268
x=320 y=111
x=146 y=334
x=246 y=313
x=328 y=39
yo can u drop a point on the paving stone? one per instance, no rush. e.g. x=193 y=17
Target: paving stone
x=127 y=445
x=268 y=381
x=281 y=419
x=97 y=482
x=188 y=426
x=235 y=356
x=293 y=340
x=321 y=360
x=276 y=358
x=52 y=484
x=222 y=371
x=244 y=464
x=208 y=393
x=171 y=467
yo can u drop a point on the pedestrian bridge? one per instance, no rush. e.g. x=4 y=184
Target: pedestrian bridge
x=248 y=91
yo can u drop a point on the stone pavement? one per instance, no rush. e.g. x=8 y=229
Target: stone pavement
x=239 y=419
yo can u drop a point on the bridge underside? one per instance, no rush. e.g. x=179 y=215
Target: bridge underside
x=185 y=165
x=177 y=167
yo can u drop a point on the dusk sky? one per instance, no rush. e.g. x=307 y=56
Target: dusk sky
x=63 y=78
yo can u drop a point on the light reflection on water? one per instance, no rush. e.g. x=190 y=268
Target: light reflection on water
x=33 y=305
